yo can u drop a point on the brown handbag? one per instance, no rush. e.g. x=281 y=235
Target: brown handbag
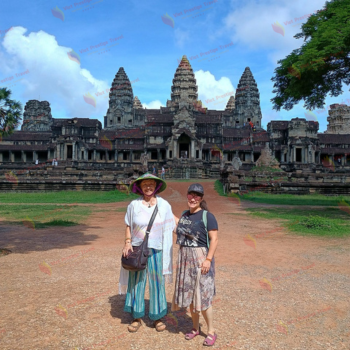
x=136 y=260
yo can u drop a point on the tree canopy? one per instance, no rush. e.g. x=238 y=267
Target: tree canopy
x=321 y=65
x=10 y=113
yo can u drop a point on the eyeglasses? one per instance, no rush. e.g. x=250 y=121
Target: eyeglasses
x=195 y=197
x=148 y=185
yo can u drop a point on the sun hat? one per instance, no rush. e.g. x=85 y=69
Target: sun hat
x=135 y=185
x=198 y=188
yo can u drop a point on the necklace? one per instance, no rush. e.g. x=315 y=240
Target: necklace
x=149 y=205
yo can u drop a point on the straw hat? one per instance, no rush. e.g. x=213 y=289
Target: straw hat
x=135 y=185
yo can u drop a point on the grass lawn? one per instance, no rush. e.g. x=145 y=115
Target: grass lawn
x=41 y=216
x=333 y=220
x=327 y=222
x=290 y=199
x=67 y=197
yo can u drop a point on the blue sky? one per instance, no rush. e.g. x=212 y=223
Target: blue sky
x=147 y=39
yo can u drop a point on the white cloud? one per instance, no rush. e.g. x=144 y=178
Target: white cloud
x=213 y=93
x=153 y=105
x=251 y=24
x=52 y=75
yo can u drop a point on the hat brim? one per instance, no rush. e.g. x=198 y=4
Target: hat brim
x=133 y=189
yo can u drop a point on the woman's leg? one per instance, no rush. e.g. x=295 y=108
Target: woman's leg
x=158 y=305
x=135 y=296
x=209 y=319
x=195 y=318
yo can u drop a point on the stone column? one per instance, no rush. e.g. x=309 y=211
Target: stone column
x=34 y=156
x=130 y=156
x=48 y=154
x=58 y=151
x=158 y=154
x=192 y=150
x=73 y=151
x=200 y=154
x=343 y=159
x=252 y=157
x=23 y=156
x=294 y=155
x=175 y=155
x=94 y=157
x=116 y=156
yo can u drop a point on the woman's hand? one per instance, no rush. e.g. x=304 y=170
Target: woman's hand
x=205 y=267
x=126 y=249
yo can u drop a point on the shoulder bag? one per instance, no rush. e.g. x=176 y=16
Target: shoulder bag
x=136 y=260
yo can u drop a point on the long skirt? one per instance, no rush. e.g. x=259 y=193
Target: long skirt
x=190 y=285
x=135 y=296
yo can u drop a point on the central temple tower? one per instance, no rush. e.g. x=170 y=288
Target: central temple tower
x=247 y=104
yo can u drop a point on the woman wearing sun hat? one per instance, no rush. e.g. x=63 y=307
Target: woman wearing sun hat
x=160 y=244
x=197 y=235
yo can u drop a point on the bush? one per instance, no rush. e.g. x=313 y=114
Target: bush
x=315 y=222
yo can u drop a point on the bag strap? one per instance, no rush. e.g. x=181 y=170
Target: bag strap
x=155 y=211
x=205 y=220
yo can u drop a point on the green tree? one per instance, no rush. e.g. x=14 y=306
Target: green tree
x=321 y=65
x=10 y=113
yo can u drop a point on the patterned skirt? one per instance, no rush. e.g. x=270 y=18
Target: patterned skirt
x=190 y=285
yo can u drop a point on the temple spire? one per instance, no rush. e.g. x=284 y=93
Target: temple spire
x=137 y=103
x=184 y=86
x=247 y=101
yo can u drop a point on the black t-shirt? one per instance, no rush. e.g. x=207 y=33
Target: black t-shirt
x=191 y=230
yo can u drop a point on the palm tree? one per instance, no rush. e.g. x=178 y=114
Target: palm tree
x=10 y=113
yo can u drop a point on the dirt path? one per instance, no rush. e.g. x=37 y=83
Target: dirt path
x=274 y=290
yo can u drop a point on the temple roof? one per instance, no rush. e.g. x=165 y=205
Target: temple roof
x=334 y=138
x=28 y=136
x=236 y=132
x=279 y=124
x=159 y=118
x=204 y=118
x=334 y=150
x=87 y=122
x=135 y=133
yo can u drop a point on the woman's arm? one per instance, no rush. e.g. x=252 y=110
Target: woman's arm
x=127 y=245
x=176 y=222
x=213 y=238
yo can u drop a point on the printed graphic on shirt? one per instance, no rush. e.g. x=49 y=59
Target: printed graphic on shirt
x=191 y=231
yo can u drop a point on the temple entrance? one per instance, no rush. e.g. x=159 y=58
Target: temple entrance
x=184 y=146
x=69 y=151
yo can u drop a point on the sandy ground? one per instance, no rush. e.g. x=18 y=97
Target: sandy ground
x=275 y=290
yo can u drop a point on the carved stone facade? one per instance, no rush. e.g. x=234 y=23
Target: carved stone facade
x=182 y=136
x=37 y=116
x=338 y=119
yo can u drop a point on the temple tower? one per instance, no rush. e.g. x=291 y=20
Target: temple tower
x=37 y=116
x=230 y=106
x=137 y=103
x=121 y=99
x=184 y=88
x=338 y=119
x=247 y=104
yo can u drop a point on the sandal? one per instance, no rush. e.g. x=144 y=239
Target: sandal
x=194 y=333
x=159 y=326
x=134 y=329
x=210 y=339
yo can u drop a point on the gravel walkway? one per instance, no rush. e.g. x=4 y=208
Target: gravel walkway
x=274 y=290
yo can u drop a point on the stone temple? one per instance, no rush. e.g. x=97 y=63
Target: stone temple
x=187 y=138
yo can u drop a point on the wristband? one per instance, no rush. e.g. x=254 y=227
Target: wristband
x=209 y=259
x=128 y=239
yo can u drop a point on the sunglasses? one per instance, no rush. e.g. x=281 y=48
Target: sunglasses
x=194 y=196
